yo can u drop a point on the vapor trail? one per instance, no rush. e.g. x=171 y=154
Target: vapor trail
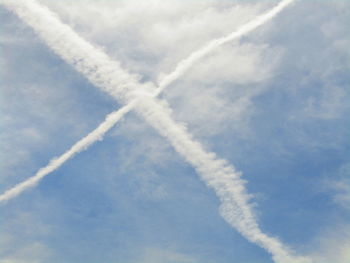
x=219 y=175
x=185 y=64
x=180 y=70
x=167 y=80
x=110 y=77
x=55 y=163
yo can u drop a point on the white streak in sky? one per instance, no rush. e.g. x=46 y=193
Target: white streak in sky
x=110 y=77
x=187 y=63
x=219 y=175
x=55 y=163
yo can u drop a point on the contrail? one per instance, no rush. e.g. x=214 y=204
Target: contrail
x=110 y=77
x=167 y=80
x=55 y=163
x=219 y=175
x=87 y=59
x=187 y=63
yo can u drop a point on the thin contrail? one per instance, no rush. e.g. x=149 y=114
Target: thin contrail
x=185 y=64
x=55 y=163
x=110 y=77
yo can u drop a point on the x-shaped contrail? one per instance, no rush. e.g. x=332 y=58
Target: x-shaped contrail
x=108 y=75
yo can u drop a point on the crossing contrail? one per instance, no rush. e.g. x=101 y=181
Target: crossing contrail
x=166 y=81
x=108 y=75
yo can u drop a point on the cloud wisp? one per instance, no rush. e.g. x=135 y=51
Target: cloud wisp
x=108 y=75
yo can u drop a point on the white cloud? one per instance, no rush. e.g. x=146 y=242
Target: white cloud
x=334 y=245
x=161 y=255
x=216 y=95
x=32 y=253
x=340 y=184
x=20 y=239
x=152 y=36
x=330 y=104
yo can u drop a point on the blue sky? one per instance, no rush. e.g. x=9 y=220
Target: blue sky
x=275 y=104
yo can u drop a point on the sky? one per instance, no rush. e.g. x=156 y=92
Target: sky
x=274 y=104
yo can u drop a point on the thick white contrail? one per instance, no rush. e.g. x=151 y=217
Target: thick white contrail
x=219 y=175
x=110 y=77
x=55 y=163
x=89 y=60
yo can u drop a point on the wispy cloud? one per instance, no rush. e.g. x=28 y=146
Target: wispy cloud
x=333 y=244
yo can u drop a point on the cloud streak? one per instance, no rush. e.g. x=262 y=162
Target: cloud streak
x=108 y=75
